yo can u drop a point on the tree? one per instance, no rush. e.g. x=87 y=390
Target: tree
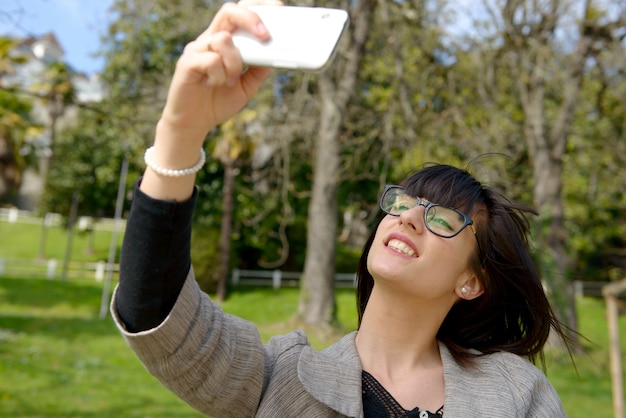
x=337 y=87
x=141 y=49
x=56 y=91
x=530 y=34
x=231 y=149
x=87 y=162
x=16 y=123
x=595 y=188
x=525 y=81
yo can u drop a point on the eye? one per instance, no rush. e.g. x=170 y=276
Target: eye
x=403 y=202
x=443 y=219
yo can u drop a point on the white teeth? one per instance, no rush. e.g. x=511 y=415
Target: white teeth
x=401 y=247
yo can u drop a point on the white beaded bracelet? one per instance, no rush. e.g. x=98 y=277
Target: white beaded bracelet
x=173 y=173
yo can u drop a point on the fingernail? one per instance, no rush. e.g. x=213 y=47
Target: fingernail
x=261 y=29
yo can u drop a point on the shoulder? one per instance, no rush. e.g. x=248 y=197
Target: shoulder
x=502 y=383
x=529 y=386
x=511 y=366
x=285 y=349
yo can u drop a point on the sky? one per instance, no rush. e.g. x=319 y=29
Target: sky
x=77 y=24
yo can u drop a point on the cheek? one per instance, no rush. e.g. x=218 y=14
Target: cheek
x=454 y=261
x=380 y=260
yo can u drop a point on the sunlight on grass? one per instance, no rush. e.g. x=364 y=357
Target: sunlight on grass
x=25 y=241
x=58 y=359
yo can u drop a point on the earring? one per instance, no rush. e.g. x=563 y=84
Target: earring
x=464 y=290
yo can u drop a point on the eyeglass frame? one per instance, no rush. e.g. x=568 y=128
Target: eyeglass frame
x=467 y=221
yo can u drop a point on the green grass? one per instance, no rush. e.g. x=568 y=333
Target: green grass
x=57 y=359
x=22 y=242
x=586 y=390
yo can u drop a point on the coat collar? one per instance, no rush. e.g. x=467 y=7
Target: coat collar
x=334 y=377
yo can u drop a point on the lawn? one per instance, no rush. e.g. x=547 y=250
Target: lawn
x=22 y=241
x=58 y=359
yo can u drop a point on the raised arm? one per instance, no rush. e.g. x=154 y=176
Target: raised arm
x=208 y=87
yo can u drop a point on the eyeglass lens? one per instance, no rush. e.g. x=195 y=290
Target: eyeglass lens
x=441 y=220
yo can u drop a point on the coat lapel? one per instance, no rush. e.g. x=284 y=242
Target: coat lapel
x=333 y=376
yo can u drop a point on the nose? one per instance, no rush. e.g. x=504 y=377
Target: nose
x=414 y=218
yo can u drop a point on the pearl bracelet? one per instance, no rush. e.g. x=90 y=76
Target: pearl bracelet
x=173 y=173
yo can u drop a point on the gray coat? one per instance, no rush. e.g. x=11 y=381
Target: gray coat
x=218 y=364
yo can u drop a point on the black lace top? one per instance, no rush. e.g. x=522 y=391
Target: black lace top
x=378 y=403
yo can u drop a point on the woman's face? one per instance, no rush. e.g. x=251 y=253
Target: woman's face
x=407 y=257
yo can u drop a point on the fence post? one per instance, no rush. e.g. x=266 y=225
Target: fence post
x=2 y=264
x=100 y=270
x=276 y=278
x=234 y=277
x=52 y=265
x=13 y=215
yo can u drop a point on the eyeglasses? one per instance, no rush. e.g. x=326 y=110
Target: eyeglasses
x=440 y=220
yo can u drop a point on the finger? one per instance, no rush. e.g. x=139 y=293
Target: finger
x=252 y=79
x=231 y=17
x=231 y=59
x=247 y=3
x=203 y=59
x=222 y=44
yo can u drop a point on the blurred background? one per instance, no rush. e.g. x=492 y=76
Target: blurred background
x=530 y=97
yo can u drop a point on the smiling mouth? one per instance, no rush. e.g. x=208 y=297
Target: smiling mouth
x=401 y=247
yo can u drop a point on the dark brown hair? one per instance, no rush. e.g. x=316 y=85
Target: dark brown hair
x=514 y=313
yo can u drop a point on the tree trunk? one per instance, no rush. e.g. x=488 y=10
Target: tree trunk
x=317 y=303
x=226 y=227
x=547 y=147
x=317 y=291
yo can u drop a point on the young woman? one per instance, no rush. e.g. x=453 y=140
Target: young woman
x=451 y=307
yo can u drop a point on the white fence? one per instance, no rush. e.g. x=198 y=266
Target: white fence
x=14 y=215
x=52 y=269
x=278 y=278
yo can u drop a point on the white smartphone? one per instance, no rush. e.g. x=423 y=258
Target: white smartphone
x=302 y=38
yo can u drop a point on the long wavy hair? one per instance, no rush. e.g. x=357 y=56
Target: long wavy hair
x=513 y=314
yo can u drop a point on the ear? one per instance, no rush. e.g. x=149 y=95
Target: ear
x=470 y=288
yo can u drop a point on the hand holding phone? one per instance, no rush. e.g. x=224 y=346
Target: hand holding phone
x=303 y=38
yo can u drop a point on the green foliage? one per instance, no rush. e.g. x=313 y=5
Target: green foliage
x=15 y=126
x=595 y=190
x=422 y=97
x=87 y=160
x=206 y=257
x=141 y=48
x=55 y=88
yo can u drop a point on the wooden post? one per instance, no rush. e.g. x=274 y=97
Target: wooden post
x=617 y=383
x=611 y=293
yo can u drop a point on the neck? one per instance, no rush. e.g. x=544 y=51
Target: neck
x=397 y=344
x=399 y=334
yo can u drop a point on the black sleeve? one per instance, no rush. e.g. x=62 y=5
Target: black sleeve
x=154 y=260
